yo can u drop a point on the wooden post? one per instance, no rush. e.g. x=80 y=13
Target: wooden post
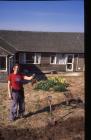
x=50 y=101
x=68 y=96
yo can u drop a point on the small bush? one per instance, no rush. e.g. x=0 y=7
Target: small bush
x=56 y=83
x=51 y=83
x=60 y=88
x=43 y=85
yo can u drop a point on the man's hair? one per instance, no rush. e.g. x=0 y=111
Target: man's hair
x=16 y=65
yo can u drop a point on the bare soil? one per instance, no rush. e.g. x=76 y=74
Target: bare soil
x=65 y=122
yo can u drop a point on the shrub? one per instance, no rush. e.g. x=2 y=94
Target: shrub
x=43 y=85
x=56 y=83
x=60 y=88
x=59 y=80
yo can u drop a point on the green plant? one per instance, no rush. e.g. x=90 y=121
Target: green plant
x=43 y=85
x=56 y=83
x=60 y=87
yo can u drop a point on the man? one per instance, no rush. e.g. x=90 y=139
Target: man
x=16 y=92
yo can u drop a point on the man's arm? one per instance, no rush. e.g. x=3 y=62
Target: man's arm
x=29 y=77
x=9 y=90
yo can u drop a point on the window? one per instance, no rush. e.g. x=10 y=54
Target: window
x=33 y=58
x=29 y=58
x=3 y=62
x=53 y=59
x=37 y=58
x=58 y=59
x=70 y=58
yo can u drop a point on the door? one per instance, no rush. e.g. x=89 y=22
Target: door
x=69 y=63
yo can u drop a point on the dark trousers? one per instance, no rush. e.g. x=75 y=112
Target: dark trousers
x=17 y=104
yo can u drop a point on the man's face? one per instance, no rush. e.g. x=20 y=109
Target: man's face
x=16 y=69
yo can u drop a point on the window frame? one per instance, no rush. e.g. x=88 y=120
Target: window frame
x=55 y=61
x=65 y=59
x=5 y=70
x=35 y=57
x=39 y=58
x=70 y=63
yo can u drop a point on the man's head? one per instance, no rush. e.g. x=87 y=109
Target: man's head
x=16 y=68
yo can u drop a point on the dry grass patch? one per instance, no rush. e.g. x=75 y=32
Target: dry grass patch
x=65 y=122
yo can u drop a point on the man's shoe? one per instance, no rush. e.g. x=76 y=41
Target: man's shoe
x=12 y=120
x=21 y=115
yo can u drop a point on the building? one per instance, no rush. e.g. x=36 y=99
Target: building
x=43 y=51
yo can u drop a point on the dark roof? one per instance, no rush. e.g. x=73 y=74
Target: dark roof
x=7 y=47
x=65 y=42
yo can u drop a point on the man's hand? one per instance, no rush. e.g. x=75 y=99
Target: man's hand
x=10 y=97
x=33 y=81
x=33 y=76
x=9 y=90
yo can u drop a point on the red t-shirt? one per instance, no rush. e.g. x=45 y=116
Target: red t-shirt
x=16 y=80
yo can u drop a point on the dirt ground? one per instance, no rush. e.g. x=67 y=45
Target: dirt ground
x=65 y=122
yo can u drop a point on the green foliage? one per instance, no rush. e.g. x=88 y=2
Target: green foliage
x=43 y=85
x=60 y=87
x=56 y=83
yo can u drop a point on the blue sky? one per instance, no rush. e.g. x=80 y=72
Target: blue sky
x=52 y=16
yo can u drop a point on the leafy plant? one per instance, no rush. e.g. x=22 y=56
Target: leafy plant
x=43 y=85
x=56 y=83
x=59 y=80
x=60 y=87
